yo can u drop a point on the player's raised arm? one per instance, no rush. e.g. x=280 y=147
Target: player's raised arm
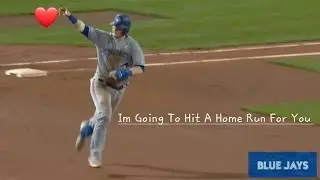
x=93 y=34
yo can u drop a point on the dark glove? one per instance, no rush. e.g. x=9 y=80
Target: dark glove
x=112 y=82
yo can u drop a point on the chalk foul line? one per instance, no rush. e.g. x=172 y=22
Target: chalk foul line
x=206 y=61
x=176 y=53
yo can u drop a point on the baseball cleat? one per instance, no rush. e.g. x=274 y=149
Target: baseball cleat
x=85 y=131
x=94 y=163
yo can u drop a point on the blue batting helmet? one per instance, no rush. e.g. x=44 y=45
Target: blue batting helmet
x=122 y=22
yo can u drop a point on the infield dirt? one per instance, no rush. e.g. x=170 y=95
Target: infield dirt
x=40 y=117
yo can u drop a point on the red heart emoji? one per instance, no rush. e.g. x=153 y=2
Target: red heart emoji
x=46 y=18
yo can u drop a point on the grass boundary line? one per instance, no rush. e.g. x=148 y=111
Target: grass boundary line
x=279 y=63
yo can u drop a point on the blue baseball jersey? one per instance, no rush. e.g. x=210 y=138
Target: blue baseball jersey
x=127 y=51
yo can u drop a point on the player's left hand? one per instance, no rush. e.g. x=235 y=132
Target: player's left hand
x=122 y=74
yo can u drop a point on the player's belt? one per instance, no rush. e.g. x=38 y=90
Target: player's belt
x=120 y=87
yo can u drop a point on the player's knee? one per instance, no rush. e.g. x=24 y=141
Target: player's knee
x=100 y=120
x=104 y=115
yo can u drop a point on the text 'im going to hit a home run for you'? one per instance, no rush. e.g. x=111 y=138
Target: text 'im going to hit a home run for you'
x=207 y=119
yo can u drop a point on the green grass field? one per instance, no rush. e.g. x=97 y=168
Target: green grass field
x=305 y=63
x=193 y=23
x=291 y=110
x=303 y=108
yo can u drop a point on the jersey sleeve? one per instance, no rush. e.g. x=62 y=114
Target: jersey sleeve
x=97 y=36
x=137 y=54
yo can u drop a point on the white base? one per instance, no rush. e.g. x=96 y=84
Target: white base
x=26 y=72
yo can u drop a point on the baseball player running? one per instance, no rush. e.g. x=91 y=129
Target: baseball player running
x=119 y=58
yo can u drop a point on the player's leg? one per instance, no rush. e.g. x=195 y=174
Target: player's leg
x=101 y=128
x=94 y=99
x=86 y=128
x=99 y=123
x=116 y=100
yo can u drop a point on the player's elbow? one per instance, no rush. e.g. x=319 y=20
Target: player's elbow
x=137 y=70
x=85 y=31
x=142 y=68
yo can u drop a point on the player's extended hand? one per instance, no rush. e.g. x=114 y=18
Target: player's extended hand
x=64 y=11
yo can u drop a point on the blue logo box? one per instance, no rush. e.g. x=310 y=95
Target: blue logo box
x=282 y=164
